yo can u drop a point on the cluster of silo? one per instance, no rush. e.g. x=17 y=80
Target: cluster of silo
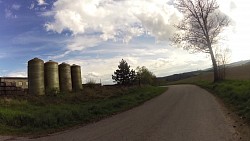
x=50 y=77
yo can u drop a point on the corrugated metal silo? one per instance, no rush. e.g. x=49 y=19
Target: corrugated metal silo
x=36 y=76
x=51 y=77
x=76 y=78
x=65 y=77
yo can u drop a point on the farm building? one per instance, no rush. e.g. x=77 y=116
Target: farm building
x=13 y=85
x=21 y=82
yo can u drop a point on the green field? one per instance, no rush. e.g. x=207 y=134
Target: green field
x=46 y=114
x=234 y=93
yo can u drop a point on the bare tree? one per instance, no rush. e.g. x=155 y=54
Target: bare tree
x=222 y=56
x=200 y=27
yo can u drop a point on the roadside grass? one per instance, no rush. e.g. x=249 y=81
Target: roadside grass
x=24 y=115
x=233 y=92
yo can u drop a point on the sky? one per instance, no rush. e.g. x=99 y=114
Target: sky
x=98 y=34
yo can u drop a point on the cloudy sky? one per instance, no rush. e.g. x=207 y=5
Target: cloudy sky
x=97 y=34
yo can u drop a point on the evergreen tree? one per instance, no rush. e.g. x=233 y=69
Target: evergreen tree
x=123 y=75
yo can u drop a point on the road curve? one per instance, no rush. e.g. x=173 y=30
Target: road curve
x=183 y=113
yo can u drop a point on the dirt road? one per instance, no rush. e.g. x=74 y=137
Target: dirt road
x=183 y=113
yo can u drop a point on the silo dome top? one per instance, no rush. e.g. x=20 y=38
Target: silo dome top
x=64 y=64
x=50 y=61
x=35 y=60
x=74 y=65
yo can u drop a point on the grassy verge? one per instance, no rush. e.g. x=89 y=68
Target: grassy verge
x=30 y=114
x=233 y=92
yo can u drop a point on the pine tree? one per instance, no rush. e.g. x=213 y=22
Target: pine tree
x=123 y=75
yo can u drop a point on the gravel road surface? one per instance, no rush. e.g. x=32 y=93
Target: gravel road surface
x=183 y=113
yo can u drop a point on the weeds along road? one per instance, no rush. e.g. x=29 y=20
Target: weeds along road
x=183 y=113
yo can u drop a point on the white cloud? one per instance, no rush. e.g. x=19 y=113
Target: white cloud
x=158 y=19
x=15 y=6
x=232 y=6
x=41 y=2
x=9 y=14
x=237 y=34
x=81 y=42
x=17 y=74
x=32 y=6
x=59 y=56
x=95 y=22
x=113 y=20
x=89 y=76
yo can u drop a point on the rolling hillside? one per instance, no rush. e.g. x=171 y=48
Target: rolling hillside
x=234 y=71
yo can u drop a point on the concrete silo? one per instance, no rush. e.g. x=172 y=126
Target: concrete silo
x=51 y=77
x=36 y=76
x=76 y=78
x=65 y=77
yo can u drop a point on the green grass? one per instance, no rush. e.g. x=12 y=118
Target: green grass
x=46 y=114
x=233 y=92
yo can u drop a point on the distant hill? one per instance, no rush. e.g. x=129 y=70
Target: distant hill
x=180 y=76
x=239 y=63
x=237 y=70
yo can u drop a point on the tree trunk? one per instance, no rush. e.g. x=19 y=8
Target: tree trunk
x=140 y=82
x=224 y=71
x=215 y=67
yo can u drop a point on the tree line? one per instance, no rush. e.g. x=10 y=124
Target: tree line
x=126 y=77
